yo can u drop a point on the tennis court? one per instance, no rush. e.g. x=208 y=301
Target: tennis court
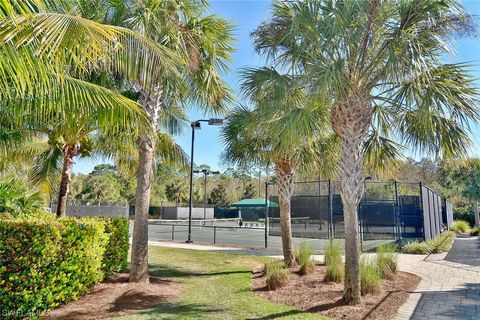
x=228 y=232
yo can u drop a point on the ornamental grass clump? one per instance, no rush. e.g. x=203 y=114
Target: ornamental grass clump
x=460 y=226
x=387 y=260
x=333 y=261
x=370 y=277
x=474 y=231
x=439 y=244
x=276 y=274
x=303 y=256
x=442 y=242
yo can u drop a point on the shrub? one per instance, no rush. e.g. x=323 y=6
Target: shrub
x=370 y=278
x=387 y=260
x=46 y=261
x=333 y=262
x=474 y=231
x=17 y=198
x=276 y=274
x=465 y=214
x=304 y=258
x=460 y=226
x=116 y=255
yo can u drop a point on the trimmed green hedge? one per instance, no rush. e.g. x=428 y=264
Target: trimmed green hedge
x=45 y=262
x=116 y=254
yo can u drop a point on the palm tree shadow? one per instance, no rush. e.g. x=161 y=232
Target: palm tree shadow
x=168 y=272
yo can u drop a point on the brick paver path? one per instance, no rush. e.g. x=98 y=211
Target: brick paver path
x=450 y=285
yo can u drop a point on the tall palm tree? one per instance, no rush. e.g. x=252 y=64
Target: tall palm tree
x=204 y=42
x=380 y=63
x=284 y=129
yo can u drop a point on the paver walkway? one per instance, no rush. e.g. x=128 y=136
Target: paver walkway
x=450 y=286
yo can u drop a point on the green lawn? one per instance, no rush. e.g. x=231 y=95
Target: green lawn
x=215 y=286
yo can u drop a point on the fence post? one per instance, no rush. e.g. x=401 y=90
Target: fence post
x=320 y=210
x=331 y=225
x=397 y=213
x=173 y=232
x=423 y=212
x=266 y=215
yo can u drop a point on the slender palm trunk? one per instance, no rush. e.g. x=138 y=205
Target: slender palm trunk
x=475 y=212
x=68 y=153
x=285 y=191
x=151 y=104
x=351 y=121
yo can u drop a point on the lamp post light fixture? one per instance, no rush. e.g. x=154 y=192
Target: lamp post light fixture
x=196 y=125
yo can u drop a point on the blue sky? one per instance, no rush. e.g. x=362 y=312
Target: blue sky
x=246 y=15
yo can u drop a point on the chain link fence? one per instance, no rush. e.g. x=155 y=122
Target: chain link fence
x=388 y=210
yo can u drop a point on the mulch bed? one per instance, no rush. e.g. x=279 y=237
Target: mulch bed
x=117 y=297
x=311 y=293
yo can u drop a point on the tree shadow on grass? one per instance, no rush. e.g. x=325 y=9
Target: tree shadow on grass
x=179 y=310
x=168 y=272
x=278 y=315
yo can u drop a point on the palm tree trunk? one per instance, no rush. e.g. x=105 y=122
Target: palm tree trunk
x=351 y=121
x=285 y=191
x=68 y=153
x=475 y=212
x=151 y=104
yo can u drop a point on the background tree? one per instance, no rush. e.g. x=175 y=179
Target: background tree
x=219 y=196
x=102 y=188
x=380 y=65
x=177 y=192
x=466 y=178
x=250 y=191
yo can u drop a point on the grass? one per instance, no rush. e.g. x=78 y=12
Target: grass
x=460 y=226
x=215 y=286
x=387 y=260
x=370 y=277
x=276 y=274
x=303 y=256
x=333 y=261
x=439 y=244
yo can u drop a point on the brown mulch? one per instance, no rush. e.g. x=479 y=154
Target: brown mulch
x=311 y=293
x=117 y=297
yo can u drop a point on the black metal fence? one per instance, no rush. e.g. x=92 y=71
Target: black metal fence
x=388 y=210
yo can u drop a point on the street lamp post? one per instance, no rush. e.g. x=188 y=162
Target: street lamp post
x=196 y=126
x=205 y=174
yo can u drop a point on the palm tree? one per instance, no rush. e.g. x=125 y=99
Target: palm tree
x=204 y=42
x=47 y=57
x=380 y=64
x=284 y=129
x=65 y=139
x=49 y=47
